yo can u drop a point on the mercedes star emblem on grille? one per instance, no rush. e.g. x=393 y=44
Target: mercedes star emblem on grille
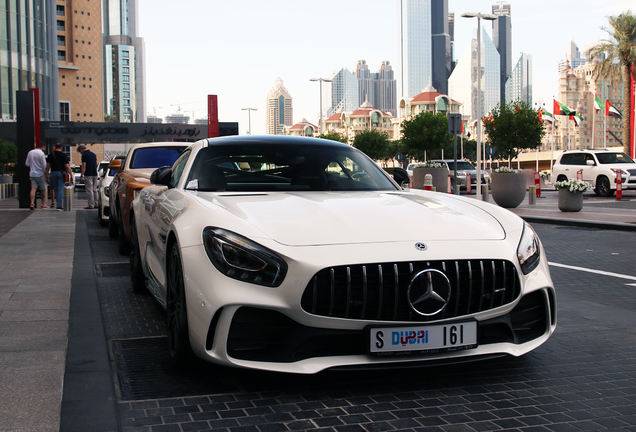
x=429 y=292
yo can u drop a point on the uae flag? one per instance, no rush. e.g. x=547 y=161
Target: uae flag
x=560 y=109
x=597 y=103
x=578 y=119
x=546 y=116
x=611 y=111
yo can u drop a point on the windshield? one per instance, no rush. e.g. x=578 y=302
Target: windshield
x=285 y=167
x=155 y=157
x=613 y=158
x=461 y=166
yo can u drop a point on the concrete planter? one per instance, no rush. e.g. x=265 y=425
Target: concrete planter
x=440 y=178
x=570 y=201
x=6 y=179
x=508 y=190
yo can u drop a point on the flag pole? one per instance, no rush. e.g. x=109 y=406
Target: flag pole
x=605 y=126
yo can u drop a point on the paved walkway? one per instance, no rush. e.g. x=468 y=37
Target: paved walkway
x=37 y=255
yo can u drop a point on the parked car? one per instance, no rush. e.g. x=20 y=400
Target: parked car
x=400 y=175
x=463 y=169
x=102 y=169
x=103 y=189
x=299 y=254
x=599 y=168
x=141 y=160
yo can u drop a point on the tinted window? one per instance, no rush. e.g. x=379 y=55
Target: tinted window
x=177 y=168
x=155 y=157
x=573 y=159
x=613 y=158
x=461 y=166
x=285 y=167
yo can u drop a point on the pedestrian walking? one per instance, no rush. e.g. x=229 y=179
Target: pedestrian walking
x=36 y=161
x=89 y=175
x=57 y=165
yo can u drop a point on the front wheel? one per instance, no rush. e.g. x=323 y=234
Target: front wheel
x=112 y=225
x=603 y=187
x=178 y=335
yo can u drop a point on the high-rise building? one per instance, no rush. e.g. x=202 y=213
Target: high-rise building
x=378 y=89
x=572 y=58
x=79 y=35
x=462 y=84
x=124 y=80
x=345 y=96
x=29 y=52
x=519 y=85
x=279 y=109
x=440 y=45
x=502 y=38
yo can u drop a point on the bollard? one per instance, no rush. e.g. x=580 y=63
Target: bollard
x=484 y=192
x=469 y=181
x=532 y=194
x=619 y=184
x=428 y=182
x=2 y=191
x=537 y=183
x=68 y=198
x=449 y=188
x=579 y=175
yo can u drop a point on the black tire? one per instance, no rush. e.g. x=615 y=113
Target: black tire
x=137 y=276
x=178 y=335
x=562 y=178
x=123 y=246
x=112 y=225
x=603 y=187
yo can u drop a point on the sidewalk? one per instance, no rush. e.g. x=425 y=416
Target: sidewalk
x=37 y=253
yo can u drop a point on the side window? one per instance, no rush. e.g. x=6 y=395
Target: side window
x=578 y=159
x=589 y=157
x=565 y=159
x=177 y=168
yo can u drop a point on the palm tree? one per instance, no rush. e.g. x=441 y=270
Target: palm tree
x=619 y=63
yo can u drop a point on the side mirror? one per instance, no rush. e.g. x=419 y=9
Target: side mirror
x=401 y=176
x=590 y=162
x=161 y=176
x=115 y=164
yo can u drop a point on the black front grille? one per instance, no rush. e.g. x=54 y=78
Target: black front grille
x=378 y=292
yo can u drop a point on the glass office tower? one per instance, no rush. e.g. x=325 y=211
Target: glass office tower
x=28 y=55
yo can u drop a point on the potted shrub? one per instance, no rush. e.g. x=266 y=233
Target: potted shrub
x=508 y=187
x=438 y=171
x=571 y=194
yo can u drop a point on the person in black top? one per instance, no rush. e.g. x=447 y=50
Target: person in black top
x=89 y=175
x=56 y=166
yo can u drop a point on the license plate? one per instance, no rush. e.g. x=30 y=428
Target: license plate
x=424 y=339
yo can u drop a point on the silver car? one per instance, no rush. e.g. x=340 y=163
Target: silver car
x=463 y=169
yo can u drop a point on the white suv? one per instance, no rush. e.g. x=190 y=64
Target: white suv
x=599 y=168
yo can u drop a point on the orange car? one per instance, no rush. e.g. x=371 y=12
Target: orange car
x=140 y=162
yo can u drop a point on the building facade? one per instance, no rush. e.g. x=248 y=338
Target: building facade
x=415 y=52
x=462 y=84
x=123 y=68
x=573 y=57
x=28 y=55
x=577 y=90
x=279 y=109
x=519 y=84
x=502 y=39
x=302 y=128
x=351 y=123
x=345 y=94
x=79 y=34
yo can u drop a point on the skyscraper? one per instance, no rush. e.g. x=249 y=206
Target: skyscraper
x=572 y=58
x=124 y=81
x=519 y=85
x=379 y=89
x=345 y=94
x=462 y=84
x=424 y=53
x=502 y=38
x=29 y=54
x=279 y=109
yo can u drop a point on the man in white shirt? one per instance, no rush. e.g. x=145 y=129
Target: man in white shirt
x=36 y=160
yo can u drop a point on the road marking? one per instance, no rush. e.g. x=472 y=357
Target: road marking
x=600 y=272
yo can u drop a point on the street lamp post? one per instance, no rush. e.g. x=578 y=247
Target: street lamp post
x=249 y=118
x=321 y=81
x=489 y=17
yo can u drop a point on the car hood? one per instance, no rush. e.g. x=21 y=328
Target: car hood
x=317 y=218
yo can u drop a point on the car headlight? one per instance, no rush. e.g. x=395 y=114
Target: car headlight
x=242 y=259
x=528 y=251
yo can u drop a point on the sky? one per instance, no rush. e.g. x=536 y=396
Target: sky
x=236 y=49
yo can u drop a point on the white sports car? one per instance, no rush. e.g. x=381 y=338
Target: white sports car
x=299 y=254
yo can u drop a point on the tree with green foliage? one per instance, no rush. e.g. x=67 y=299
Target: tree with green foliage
x=333 y=136
x=373 y=143
x=512 y=127
x=8 y=154
x=619 y=63
x=426 y=132
x=111 y=118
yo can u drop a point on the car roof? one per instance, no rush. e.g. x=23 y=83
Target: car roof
x=160 y=144
x=271 y=139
